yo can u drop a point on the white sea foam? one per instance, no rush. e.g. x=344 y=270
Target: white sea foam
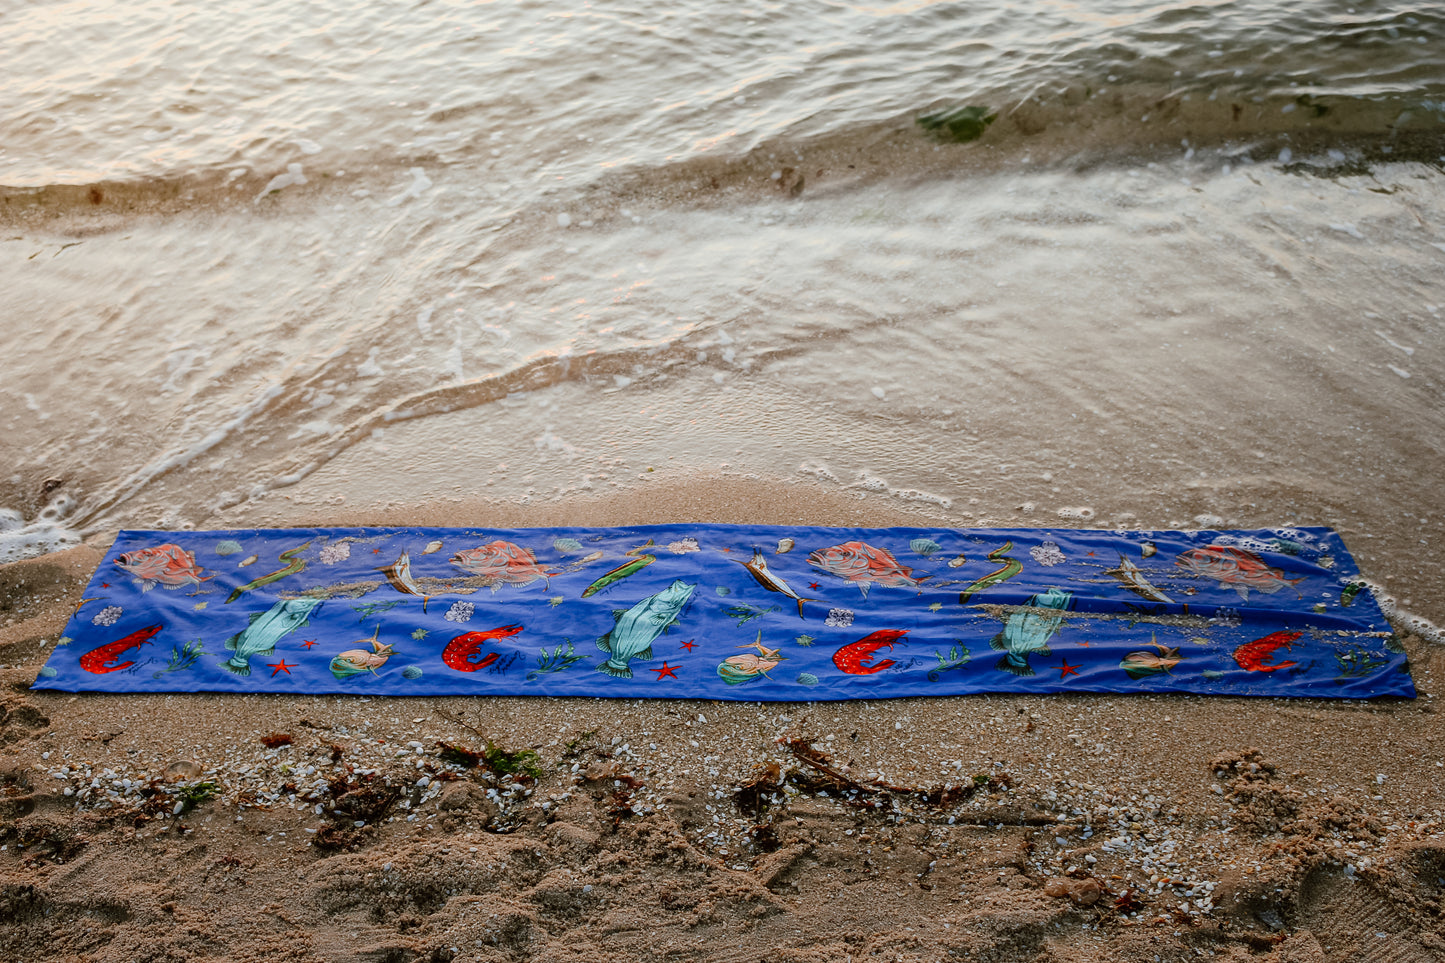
x=1394 y=344
x=419 y=185
x=292 y=178
x=45 y=533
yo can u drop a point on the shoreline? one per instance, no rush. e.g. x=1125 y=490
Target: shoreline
x=935 y=828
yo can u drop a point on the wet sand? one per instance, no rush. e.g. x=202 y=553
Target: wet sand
x=983 y=828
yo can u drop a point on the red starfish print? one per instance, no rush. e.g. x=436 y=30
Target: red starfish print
x=1067 y=670
x=814 y=586
x=105 y=585
x=376 y=551
x=281 y=667
x=689 y=645
x=308 y=642
x=665 y=672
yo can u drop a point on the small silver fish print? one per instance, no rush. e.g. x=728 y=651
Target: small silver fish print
x=1133 y=579
x=758 y=569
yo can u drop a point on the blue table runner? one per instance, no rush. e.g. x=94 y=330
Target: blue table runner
x=742 y=612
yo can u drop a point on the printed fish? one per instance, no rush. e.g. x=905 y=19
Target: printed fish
x=1011 y=567
x=630 y=567
x=863 y=564
x=398 y=575
x=266 y=629
x=294 y=565
x=1028 y=629
x=638 y=627
x=1242 y=569
x=1256 y=656
x=758 y=569
x=1143 y=663
x=504 y=563
x=356 y=661
x=1133 y=579
x=737 y=669
x=167 y=565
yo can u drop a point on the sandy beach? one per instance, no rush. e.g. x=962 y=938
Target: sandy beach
x=188 y=827
x=1121 y=265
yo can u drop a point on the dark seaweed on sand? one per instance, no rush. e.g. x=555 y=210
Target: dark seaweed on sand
x=960 y=124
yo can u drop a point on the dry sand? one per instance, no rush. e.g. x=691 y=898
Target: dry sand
x=980 y=828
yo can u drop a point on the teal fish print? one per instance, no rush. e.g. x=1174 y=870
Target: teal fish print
x=1028 y=629
x=638 y=627
x=266 y=629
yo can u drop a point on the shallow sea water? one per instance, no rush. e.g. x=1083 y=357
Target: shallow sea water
x=269 y=264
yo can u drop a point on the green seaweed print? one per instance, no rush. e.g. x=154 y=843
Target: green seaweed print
x=555 y=661
x=957 y=658
x=745 y=613
x=182 y=657
x=1356 y=662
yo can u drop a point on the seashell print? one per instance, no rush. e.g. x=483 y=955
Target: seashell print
x=957 y=562
x=807 y=678
x=434 y=545
x=785 y=545
x=924 y=546
x=565 y=545
x=228 y=547
x=248 y=560
x=411 y=672
x=1148 y=550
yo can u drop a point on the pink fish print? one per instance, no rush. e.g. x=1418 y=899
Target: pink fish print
x=503 y=563
x=864 y=565
x=167 y=565
x=1242 y=569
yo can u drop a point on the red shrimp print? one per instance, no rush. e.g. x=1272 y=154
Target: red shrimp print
x=462 y=652
x=856 y=658
x=102 y=660
x=1256 y=656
